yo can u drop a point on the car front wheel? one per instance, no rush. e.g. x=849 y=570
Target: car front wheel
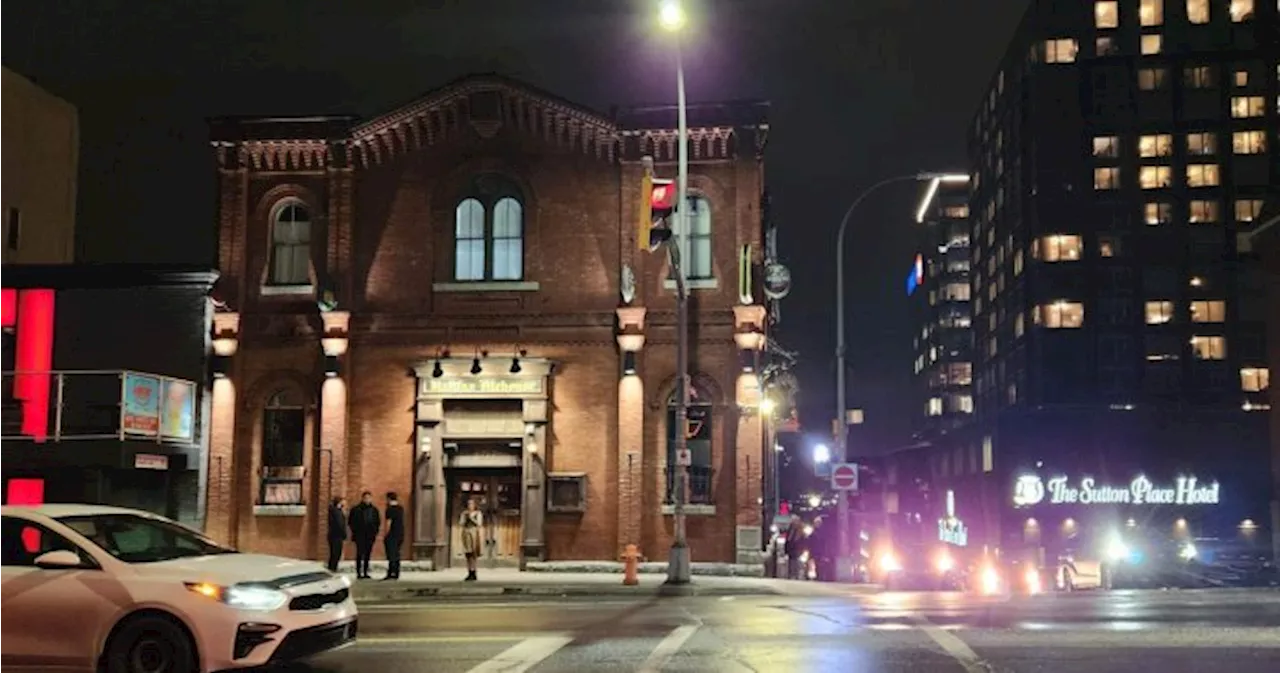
x=150 y=645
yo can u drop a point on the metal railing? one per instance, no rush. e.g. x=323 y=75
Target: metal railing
x=58 y=405
x=700 y=483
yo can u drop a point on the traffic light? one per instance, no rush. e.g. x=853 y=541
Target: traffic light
x=657 y=205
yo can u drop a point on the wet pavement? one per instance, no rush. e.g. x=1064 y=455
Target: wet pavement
x=1121 y=632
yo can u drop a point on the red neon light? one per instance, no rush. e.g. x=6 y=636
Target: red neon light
x=34 y=354
x=8 y=307
x=26 y=492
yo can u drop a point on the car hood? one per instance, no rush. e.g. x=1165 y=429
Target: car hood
x=232 y=568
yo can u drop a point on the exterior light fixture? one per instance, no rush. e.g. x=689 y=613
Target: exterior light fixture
x=629 y=363
x=671 y=15
x=475 y=362
x=437 y=371
x=332 y=368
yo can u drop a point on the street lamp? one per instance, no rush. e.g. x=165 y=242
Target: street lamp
x=844 y=564
x=767 y=406
x=821 y=454
x=679 y=563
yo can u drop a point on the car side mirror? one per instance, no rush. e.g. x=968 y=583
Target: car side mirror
x=59 y=560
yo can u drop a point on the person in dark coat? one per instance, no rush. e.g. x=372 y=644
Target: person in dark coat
x=393 y=538
x=337 y=533
x=365 y=522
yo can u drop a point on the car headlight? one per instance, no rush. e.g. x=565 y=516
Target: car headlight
x=242 y=597
x=346 y=581
x=945 y=564
x=889 y=563
x=1117 y=550
x=1188 y=552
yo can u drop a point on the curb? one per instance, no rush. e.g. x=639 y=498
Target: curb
x=411 y=593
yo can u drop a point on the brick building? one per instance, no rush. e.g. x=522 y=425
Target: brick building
x=448 y=301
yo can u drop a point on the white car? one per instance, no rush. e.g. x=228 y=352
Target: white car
x=97 y=588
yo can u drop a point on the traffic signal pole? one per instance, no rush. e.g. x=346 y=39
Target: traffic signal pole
x=679 y=561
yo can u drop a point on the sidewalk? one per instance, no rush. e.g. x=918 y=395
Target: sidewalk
x=510 y=582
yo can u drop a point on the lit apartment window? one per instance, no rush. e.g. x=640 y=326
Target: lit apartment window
x=1241 y=10
x=962 y=404
x=993 y=347
x=1202 y=143
x=1198 y=77
x=1155 y=177
x=1157 y=213
x=1209 y=347
x=1255 y=379
x=955 y=292
x=960 y=373
x=1060 y=51
x=1151 y=12
x=956 y=212
x=1060 y=315
x=1160 y=145
x=1202 y=175
x=1106 y=146
x=1017 y=261
x=1249 y=142
x=1106 y=14
x=1019 y=325
x=1107 y=177
x=1198 y=11
x=1058 y=248
x=1212 y=310
x=1247 y=209
x=1150 y=79
x=1202 y=212
x=1106 y=46
x=1108 y=247
x=934 y=408
x=1248 y=106
x=1150 y=45
x=1159 y=312
x=1241 y=78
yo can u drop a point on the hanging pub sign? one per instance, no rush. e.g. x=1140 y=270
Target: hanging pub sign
x=1031 y=490
x=777 y=281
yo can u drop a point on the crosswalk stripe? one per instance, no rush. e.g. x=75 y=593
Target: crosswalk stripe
x=523 y=655
x=667 y=649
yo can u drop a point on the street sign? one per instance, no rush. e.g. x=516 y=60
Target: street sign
x=844 y=477
x=684 y=458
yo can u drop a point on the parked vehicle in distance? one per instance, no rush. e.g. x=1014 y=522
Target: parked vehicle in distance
x=96 y=588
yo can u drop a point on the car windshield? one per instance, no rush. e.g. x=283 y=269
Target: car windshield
x=138 y=539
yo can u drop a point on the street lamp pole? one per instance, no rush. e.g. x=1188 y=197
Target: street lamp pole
x=679 y=561
x=844 y=563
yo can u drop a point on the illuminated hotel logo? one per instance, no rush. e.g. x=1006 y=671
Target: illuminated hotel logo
x=1030 y=490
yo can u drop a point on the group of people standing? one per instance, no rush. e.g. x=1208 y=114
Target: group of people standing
x=363 y=524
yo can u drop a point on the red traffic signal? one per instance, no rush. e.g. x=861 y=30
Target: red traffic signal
x=658 y=203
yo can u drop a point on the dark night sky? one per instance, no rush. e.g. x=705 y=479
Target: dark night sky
x=861 y=90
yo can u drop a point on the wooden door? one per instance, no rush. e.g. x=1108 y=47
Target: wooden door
x=498 y=495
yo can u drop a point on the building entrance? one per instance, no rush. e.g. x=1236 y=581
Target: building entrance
x=497 y=492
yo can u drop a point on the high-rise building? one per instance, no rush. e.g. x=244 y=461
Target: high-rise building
x=938 y=284
x=41 y=160
x=1119 y=365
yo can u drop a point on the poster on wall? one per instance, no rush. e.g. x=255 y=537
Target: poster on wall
x=177 y=418
x=140 y=414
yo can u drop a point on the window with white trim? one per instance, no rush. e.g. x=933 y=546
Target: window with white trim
x=290 y=245
x=488 y=233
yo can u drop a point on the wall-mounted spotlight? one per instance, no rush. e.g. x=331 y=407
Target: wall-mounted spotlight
x=747 y=358
x=629 y=363
x=475 y=362
x=515 y=361
x=437 y=371
x=332 y=367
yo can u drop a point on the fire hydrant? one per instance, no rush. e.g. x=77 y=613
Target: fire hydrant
x=630 y=563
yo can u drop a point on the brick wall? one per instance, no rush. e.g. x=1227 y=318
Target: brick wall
x=384 y=234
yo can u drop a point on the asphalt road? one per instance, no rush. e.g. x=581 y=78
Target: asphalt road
x=1228 y=631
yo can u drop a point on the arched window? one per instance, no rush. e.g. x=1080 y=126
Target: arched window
x=697 y=250
x=489 y=232
x=698 y=433
x=284 y=422
x=291 y=245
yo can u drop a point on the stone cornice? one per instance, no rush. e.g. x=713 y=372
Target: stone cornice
x=717 y=132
